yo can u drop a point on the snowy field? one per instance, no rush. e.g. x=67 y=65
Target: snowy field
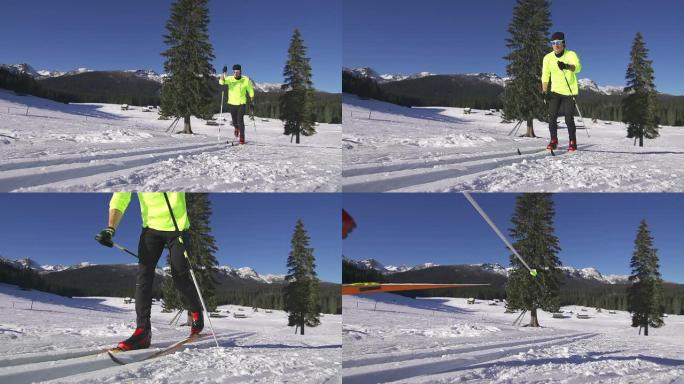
x=55 y=341
x=440 y=149
x=99 y=147
x=389 y=338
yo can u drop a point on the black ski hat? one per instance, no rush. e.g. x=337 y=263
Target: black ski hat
x=558 y=36
x=237 y=67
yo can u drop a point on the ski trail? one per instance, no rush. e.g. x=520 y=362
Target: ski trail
x=12 y=165
x=442 y=160
x=64 y=366
x=383 y=358
x=33 y=176
x=394 y=181
x=394 y=371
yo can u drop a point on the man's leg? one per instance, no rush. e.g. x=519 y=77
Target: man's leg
x=180 y=271
x=569 y=112
x=150 y=248
x=234 y=116
x=241 y=117
x=554 y=105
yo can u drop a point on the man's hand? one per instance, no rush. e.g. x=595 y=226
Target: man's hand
x=225 y=69
x=105 y=237
x=563 y=66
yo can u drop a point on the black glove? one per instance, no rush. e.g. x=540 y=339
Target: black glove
x=105 y=237
x=225 y=68
x=563 y=66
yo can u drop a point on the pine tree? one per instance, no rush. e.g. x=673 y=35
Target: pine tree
x=536 y=242
x=645 y=295
x=187 y=91
x=528 y=43
x=201 y=248
x=296 y=103
x=640 y=105
x=301 y=293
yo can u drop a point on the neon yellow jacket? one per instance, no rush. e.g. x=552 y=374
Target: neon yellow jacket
x=155 y=212
x=551 y=71
x=238 y=89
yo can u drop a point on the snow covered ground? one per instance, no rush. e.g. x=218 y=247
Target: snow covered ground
x=51 y=146
x=55 y=340
x=436 y=149
x=389 y=338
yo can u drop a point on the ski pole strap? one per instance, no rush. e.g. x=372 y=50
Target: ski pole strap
x=489 y=221
x=125 y=250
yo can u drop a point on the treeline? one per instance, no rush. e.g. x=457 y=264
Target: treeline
x=26 y=278
x=670 y=109
x=23 y=84
x=366 y=88
x=271 y=297
x=327 y=106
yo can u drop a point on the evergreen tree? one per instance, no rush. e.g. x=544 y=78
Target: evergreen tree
x=536 y=242
x=201 y=248
x=528 y=45
x=296 y=103
x=301 y=293
x=645 y=295
x=640 y=104
x=187 y=91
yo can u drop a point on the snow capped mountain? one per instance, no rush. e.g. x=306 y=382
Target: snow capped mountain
x=267 y=87
x=146 y=74
x=590 y=85
x=250 y=273
x=29 y=263
x=19 y=69
x=45 y=73
x=378 y=266
x=593 y=274
x=491 y=77
x=370 y=73
x=494 y=268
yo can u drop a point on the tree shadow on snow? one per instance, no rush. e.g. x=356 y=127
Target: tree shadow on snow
x=232 y=344
x=420 y=113
x=431 y=304
x=36 y=104
x=24 y=299
x=638 y=153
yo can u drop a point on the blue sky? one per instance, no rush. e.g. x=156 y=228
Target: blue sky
x=595 y=229
x=127 y=34
x=399 y=36
x=251 y=229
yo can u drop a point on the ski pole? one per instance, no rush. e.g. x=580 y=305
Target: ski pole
x=192 y=273
x=489 y=221
x=125 y=250
x=220 y=118
x=586 y=127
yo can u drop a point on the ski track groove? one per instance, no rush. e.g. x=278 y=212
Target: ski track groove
x=65 y=366
x=459 y=169
x=403 y=369
x=19 y=178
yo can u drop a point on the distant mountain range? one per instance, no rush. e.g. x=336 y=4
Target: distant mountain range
x=245 y=273
x=144 y=74
x=493 y=78
x=589 y=274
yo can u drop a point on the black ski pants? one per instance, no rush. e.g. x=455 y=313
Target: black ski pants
x=150 y=248
x=237 y=113
x=562 y=104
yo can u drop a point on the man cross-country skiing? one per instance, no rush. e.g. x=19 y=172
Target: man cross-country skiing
x=158 y=231
x=238 y=88
x=561 y=67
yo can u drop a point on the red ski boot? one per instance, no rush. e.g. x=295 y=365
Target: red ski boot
x=572 y=147
x=141 y=339
x=197 y=323
x=553 y=144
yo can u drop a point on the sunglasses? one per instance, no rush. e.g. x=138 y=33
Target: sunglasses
x=556 y=42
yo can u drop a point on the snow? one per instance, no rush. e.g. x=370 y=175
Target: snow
x=444 y=340
x=441 y=149
x=55 y=340
x=98 y=147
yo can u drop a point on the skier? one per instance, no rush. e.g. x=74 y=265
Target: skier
x=238 y=88
x=561 y=67
x=158 y=231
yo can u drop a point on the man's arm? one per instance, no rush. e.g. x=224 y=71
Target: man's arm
x=114 y=218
